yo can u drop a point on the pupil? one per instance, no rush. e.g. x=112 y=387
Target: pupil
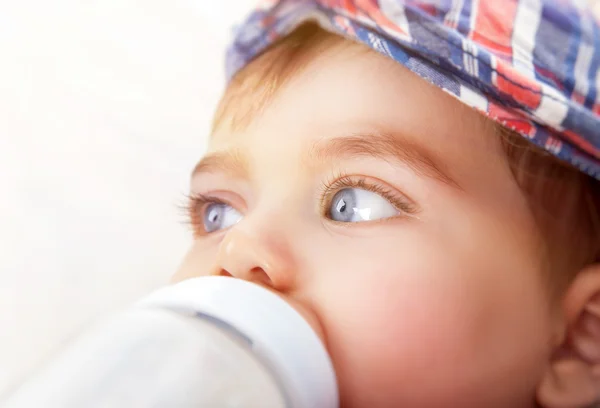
x=341 y=207
x=214 y=215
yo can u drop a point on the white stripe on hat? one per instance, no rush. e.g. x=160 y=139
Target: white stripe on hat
x=527 y=21
x=394 y=10
x=470 y=60
x=585 y=56
x=453 y=15
x=472 y=22
x=473 y=98
x=553 y=107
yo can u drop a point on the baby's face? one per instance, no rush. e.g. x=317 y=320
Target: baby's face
x=383 y=210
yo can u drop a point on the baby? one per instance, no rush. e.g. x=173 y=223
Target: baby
x=444 y=259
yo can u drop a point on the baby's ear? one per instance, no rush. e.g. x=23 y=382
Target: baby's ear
x=573 y=377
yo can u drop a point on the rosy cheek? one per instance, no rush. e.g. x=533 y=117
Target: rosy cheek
x=428 y=331
x=414 y=317
x=413 y=329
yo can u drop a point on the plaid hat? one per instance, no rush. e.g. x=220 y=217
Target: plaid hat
x=531 y=65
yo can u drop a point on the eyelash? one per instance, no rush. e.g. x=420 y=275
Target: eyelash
x=341 y=181
x=194 y=207
x=196 y=203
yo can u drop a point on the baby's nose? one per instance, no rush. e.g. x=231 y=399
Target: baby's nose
x=254 y=259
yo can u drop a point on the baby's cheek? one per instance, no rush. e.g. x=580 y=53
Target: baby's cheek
x=391 y=333
x=420 y=317
x=415 y=336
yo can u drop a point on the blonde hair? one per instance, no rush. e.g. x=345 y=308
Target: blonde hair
x=564 y=202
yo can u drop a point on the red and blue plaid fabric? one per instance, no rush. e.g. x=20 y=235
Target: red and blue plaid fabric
x=532 y=65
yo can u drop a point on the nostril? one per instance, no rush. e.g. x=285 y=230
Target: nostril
x=223 y=272
x=258 y=275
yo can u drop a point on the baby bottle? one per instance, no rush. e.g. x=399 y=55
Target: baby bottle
x=214 y=342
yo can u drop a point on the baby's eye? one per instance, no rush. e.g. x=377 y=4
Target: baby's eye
x=218 y=216
x=358 y=205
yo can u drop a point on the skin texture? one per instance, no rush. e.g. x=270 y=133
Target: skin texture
x=443 y=304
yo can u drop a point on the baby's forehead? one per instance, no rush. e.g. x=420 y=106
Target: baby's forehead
x=357 y=102
x=339 y=81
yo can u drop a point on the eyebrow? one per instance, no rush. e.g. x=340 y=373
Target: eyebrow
x=231 y=162
x=384 y=146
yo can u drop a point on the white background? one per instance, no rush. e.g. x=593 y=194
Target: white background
x=104 y=109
